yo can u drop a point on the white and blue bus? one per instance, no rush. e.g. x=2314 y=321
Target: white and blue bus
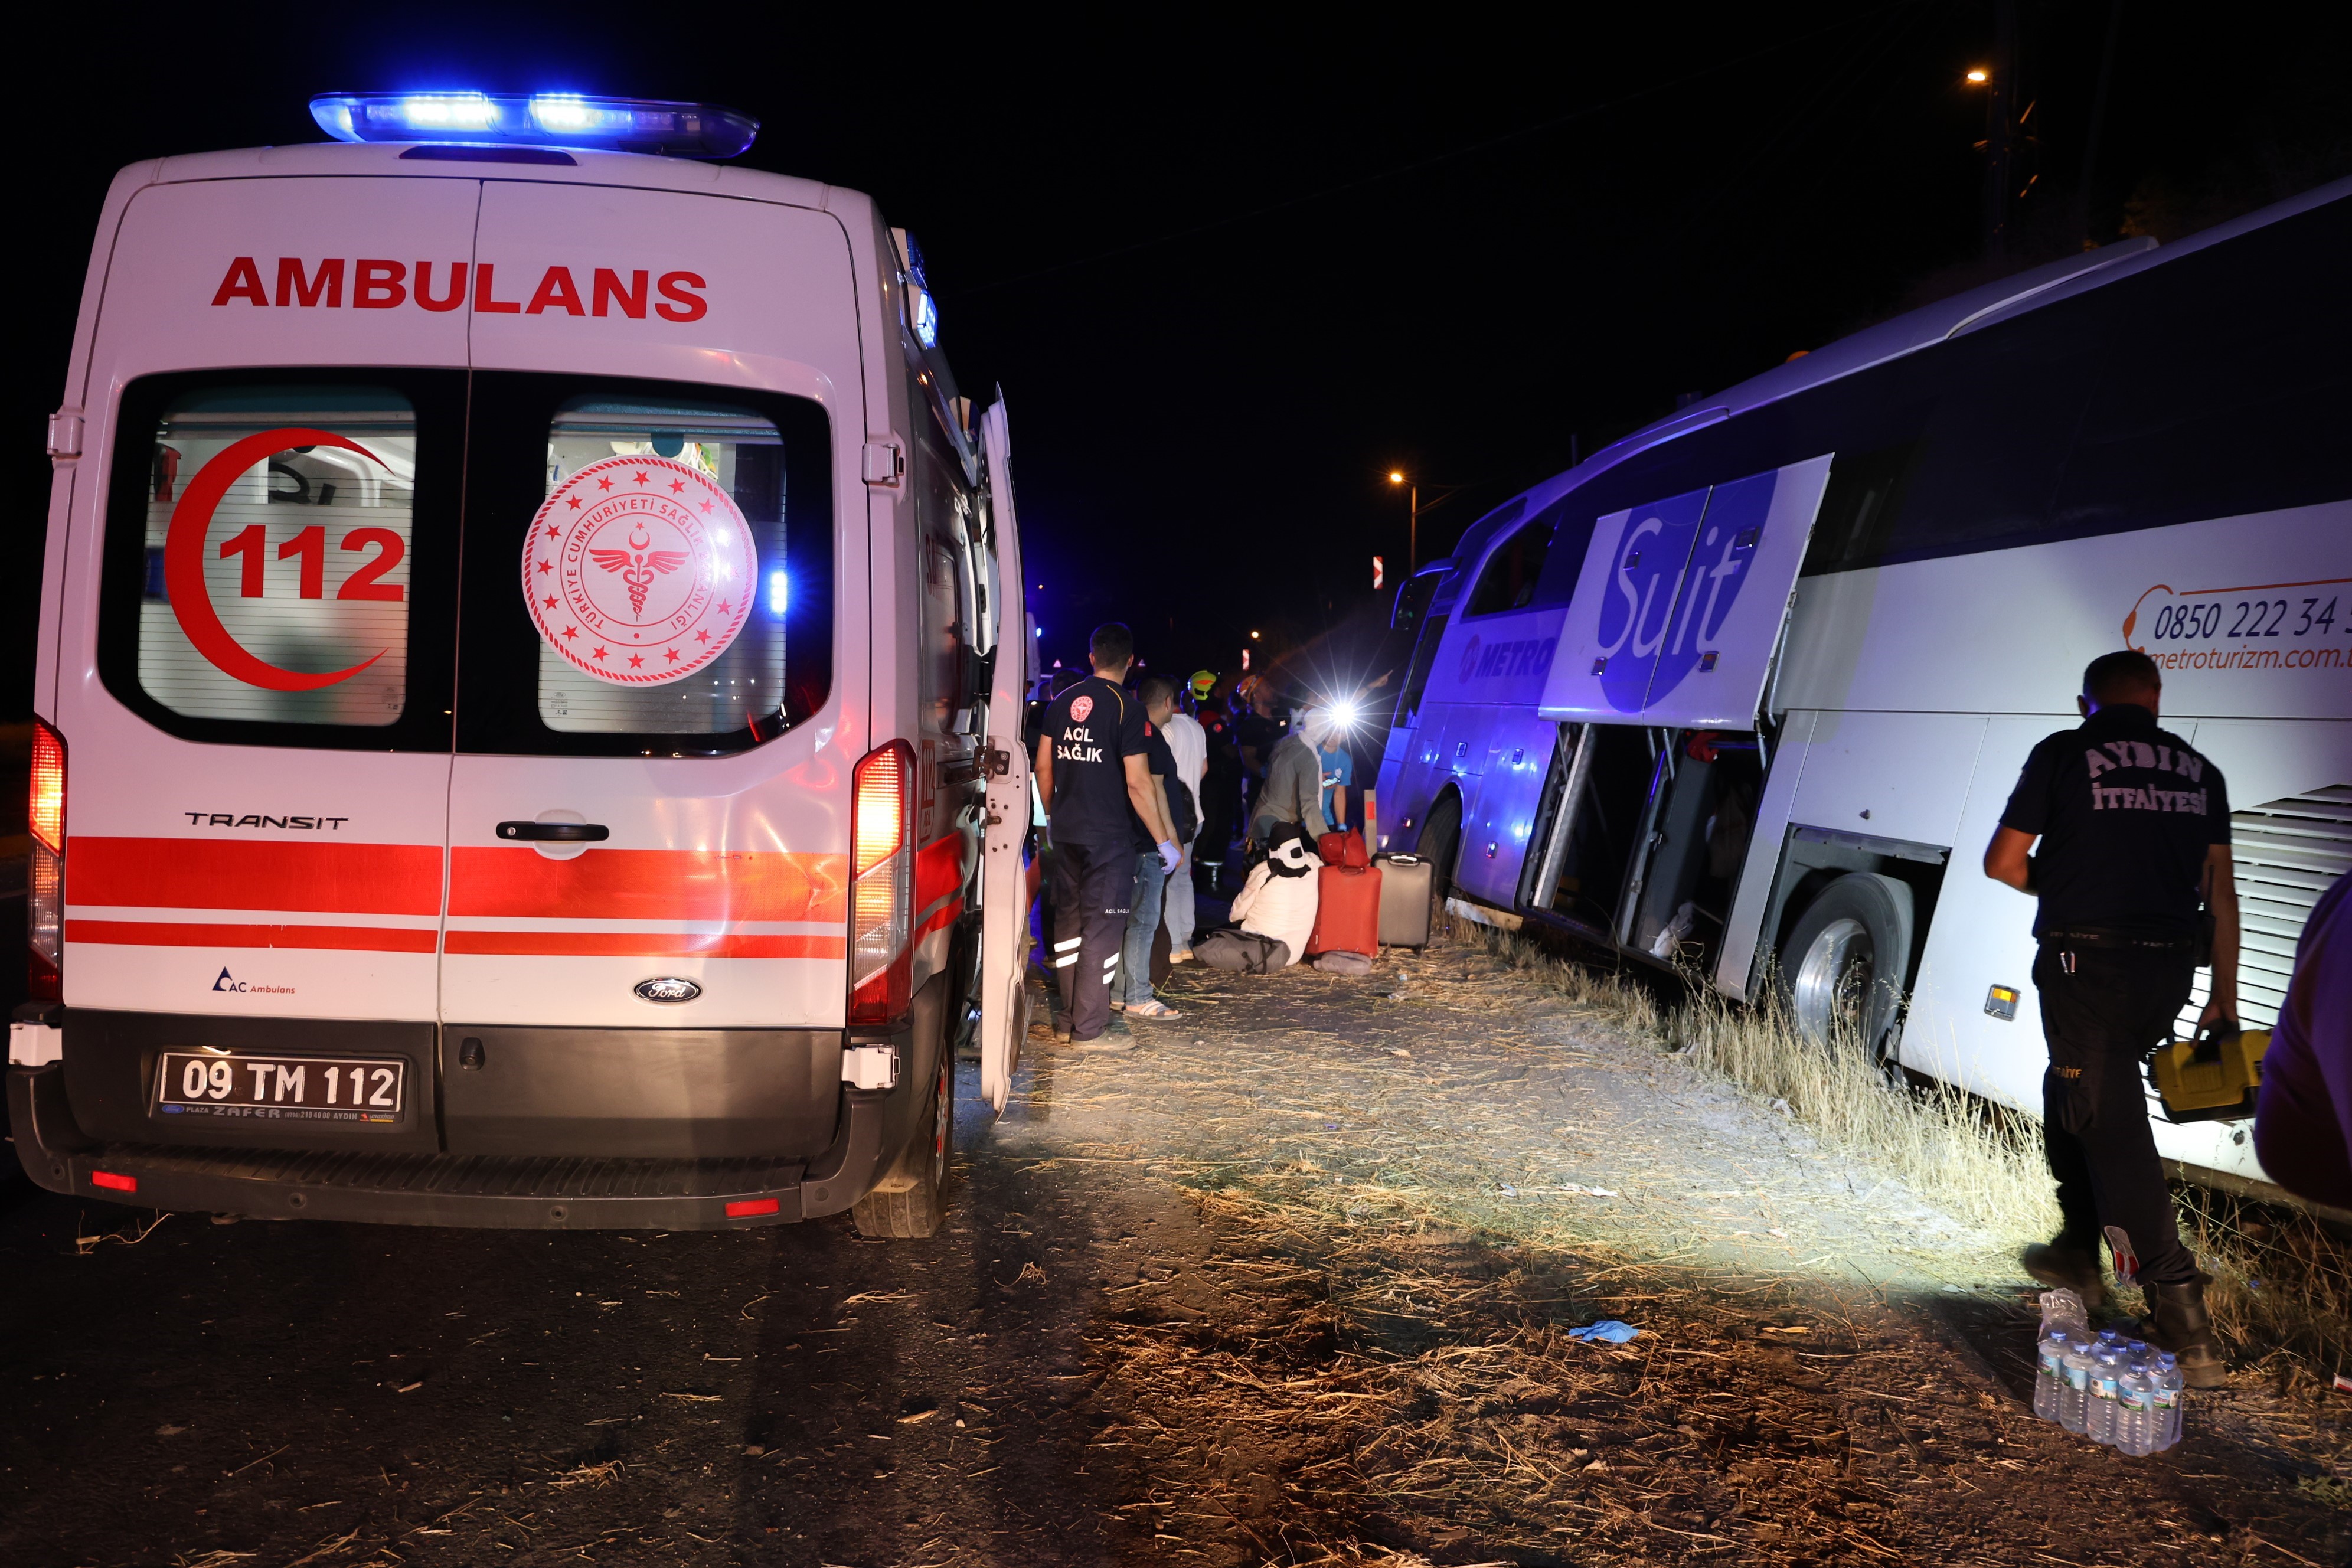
x=1747 y=691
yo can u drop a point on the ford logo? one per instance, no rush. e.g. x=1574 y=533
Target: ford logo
x=668 y=988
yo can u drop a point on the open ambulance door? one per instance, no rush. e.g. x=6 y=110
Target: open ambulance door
x=1677 y=616
x=1003 y=876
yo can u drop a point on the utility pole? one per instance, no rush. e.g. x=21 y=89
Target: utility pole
x=2098 y=123
x=1410 y=485
x=1413 y=538
x=2001 y=111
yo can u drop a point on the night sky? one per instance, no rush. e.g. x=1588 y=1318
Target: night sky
x=1231 y=270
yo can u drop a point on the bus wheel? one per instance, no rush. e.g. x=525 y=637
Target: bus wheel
x=912 y=1199
x=1847 y=959
x=1438 y=839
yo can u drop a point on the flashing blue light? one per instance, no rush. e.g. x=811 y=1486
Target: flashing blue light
x=780 y=593
x=925 y=313
x=543 y=120
x=449 y=111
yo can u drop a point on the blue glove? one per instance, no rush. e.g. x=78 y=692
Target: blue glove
x=1169 y=855
x=1608 y=1330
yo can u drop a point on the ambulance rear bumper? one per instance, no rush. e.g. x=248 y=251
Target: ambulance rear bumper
x=545 y=1193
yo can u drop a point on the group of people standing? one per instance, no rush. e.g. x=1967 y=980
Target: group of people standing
x=1141 y=800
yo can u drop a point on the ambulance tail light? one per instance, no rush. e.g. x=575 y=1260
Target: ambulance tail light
x=881 y=888
x=46 y=885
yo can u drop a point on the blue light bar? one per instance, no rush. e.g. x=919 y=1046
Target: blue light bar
x=537 y=119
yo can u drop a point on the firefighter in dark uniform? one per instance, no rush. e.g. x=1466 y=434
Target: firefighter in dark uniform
x=1093 y=773
x=2135 y=831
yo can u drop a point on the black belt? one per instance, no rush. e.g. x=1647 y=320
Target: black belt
x=2082 y=939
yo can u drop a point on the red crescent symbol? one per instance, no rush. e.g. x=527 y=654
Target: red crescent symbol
x=183 y=559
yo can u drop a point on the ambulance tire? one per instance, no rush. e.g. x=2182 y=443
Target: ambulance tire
x=912 y=1199
x=1847 y=965
x=1440 y=836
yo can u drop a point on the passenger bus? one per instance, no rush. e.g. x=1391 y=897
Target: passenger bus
x=1746 y=692
x=524 y=734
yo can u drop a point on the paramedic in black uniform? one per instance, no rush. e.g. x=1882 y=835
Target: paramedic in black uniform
x=2135 y=830
x=1095 y=778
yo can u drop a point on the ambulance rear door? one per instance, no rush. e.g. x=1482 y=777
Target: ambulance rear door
x=254 y=684
x=650 y=805
x=1005 y=880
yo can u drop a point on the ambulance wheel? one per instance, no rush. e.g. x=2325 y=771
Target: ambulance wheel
x=1438 y=839
x=1847 y=960
x=912 y=1199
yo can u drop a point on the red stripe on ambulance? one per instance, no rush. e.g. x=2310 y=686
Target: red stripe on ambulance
x=175 y=933
x=647 y=885
x=641 y=944
x=255 y=874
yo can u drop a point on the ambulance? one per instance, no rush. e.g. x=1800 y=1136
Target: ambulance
x=526 y=736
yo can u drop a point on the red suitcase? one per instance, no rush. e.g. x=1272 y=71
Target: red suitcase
x=1347 y=898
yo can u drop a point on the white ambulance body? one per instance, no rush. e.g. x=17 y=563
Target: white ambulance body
x=518 y=697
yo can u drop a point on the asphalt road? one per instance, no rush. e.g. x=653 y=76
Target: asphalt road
x=791 y=1395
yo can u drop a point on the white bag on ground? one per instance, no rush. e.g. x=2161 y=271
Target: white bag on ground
x=1279 y=900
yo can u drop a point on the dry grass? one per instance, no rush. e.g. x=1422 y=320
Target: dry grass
x=1402 y=1398
x=1983 y=1168
x=2282 y=1292
x=1375 y=1354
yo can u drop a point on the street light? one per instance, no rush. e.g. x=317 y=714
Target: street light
x=1979 y=77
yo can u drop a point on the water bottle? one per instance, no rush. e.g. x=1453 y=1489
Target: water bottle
x=2166 y=1417
x=2062 y=1322
x=2104 y=1403
x=2076 y=1397
x=2050 y=1373
x=2135 y=1394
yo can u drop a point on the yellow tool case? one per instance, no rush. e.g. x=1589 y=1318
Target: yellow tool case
x=2217 y=1077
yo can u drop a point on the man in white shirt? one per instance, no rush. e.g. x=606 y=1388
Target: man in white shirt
x=1189 y=743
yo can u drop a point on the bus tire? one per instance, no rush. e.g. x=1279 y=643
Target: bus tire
x=1440 y=837
x=911 y=1200
x=1844 y=970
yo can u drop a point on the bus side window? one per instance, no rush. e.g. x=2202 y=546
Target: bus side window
x=1512 y=572
x=2237 y=405
x=1859 y=509
x=1424 y=653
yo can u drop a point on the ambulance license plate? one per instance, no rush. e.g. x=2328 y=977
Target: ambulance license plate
x=287 y=1089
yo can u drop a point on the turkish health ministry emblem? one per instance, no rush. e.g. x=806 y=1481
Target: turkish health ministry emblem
x=639 y=570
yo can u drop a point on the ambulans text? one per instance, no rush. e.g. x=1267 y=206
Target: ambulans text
x=382 y=285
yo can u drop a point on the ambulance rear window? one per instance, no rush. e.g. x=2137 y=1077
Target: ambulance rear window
x=672 y=544
x=739 y=455
x=266 y=532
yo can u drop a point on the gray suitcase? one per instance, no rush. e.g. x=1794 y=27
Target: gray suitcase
x=1405 y=900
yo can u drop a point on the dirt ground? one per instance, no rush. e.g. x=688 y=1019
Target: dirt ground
x=1289 y=1283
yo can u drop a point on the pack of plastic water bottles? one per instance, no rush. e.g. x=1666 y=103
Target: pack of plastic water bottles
x=2109 y=1388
